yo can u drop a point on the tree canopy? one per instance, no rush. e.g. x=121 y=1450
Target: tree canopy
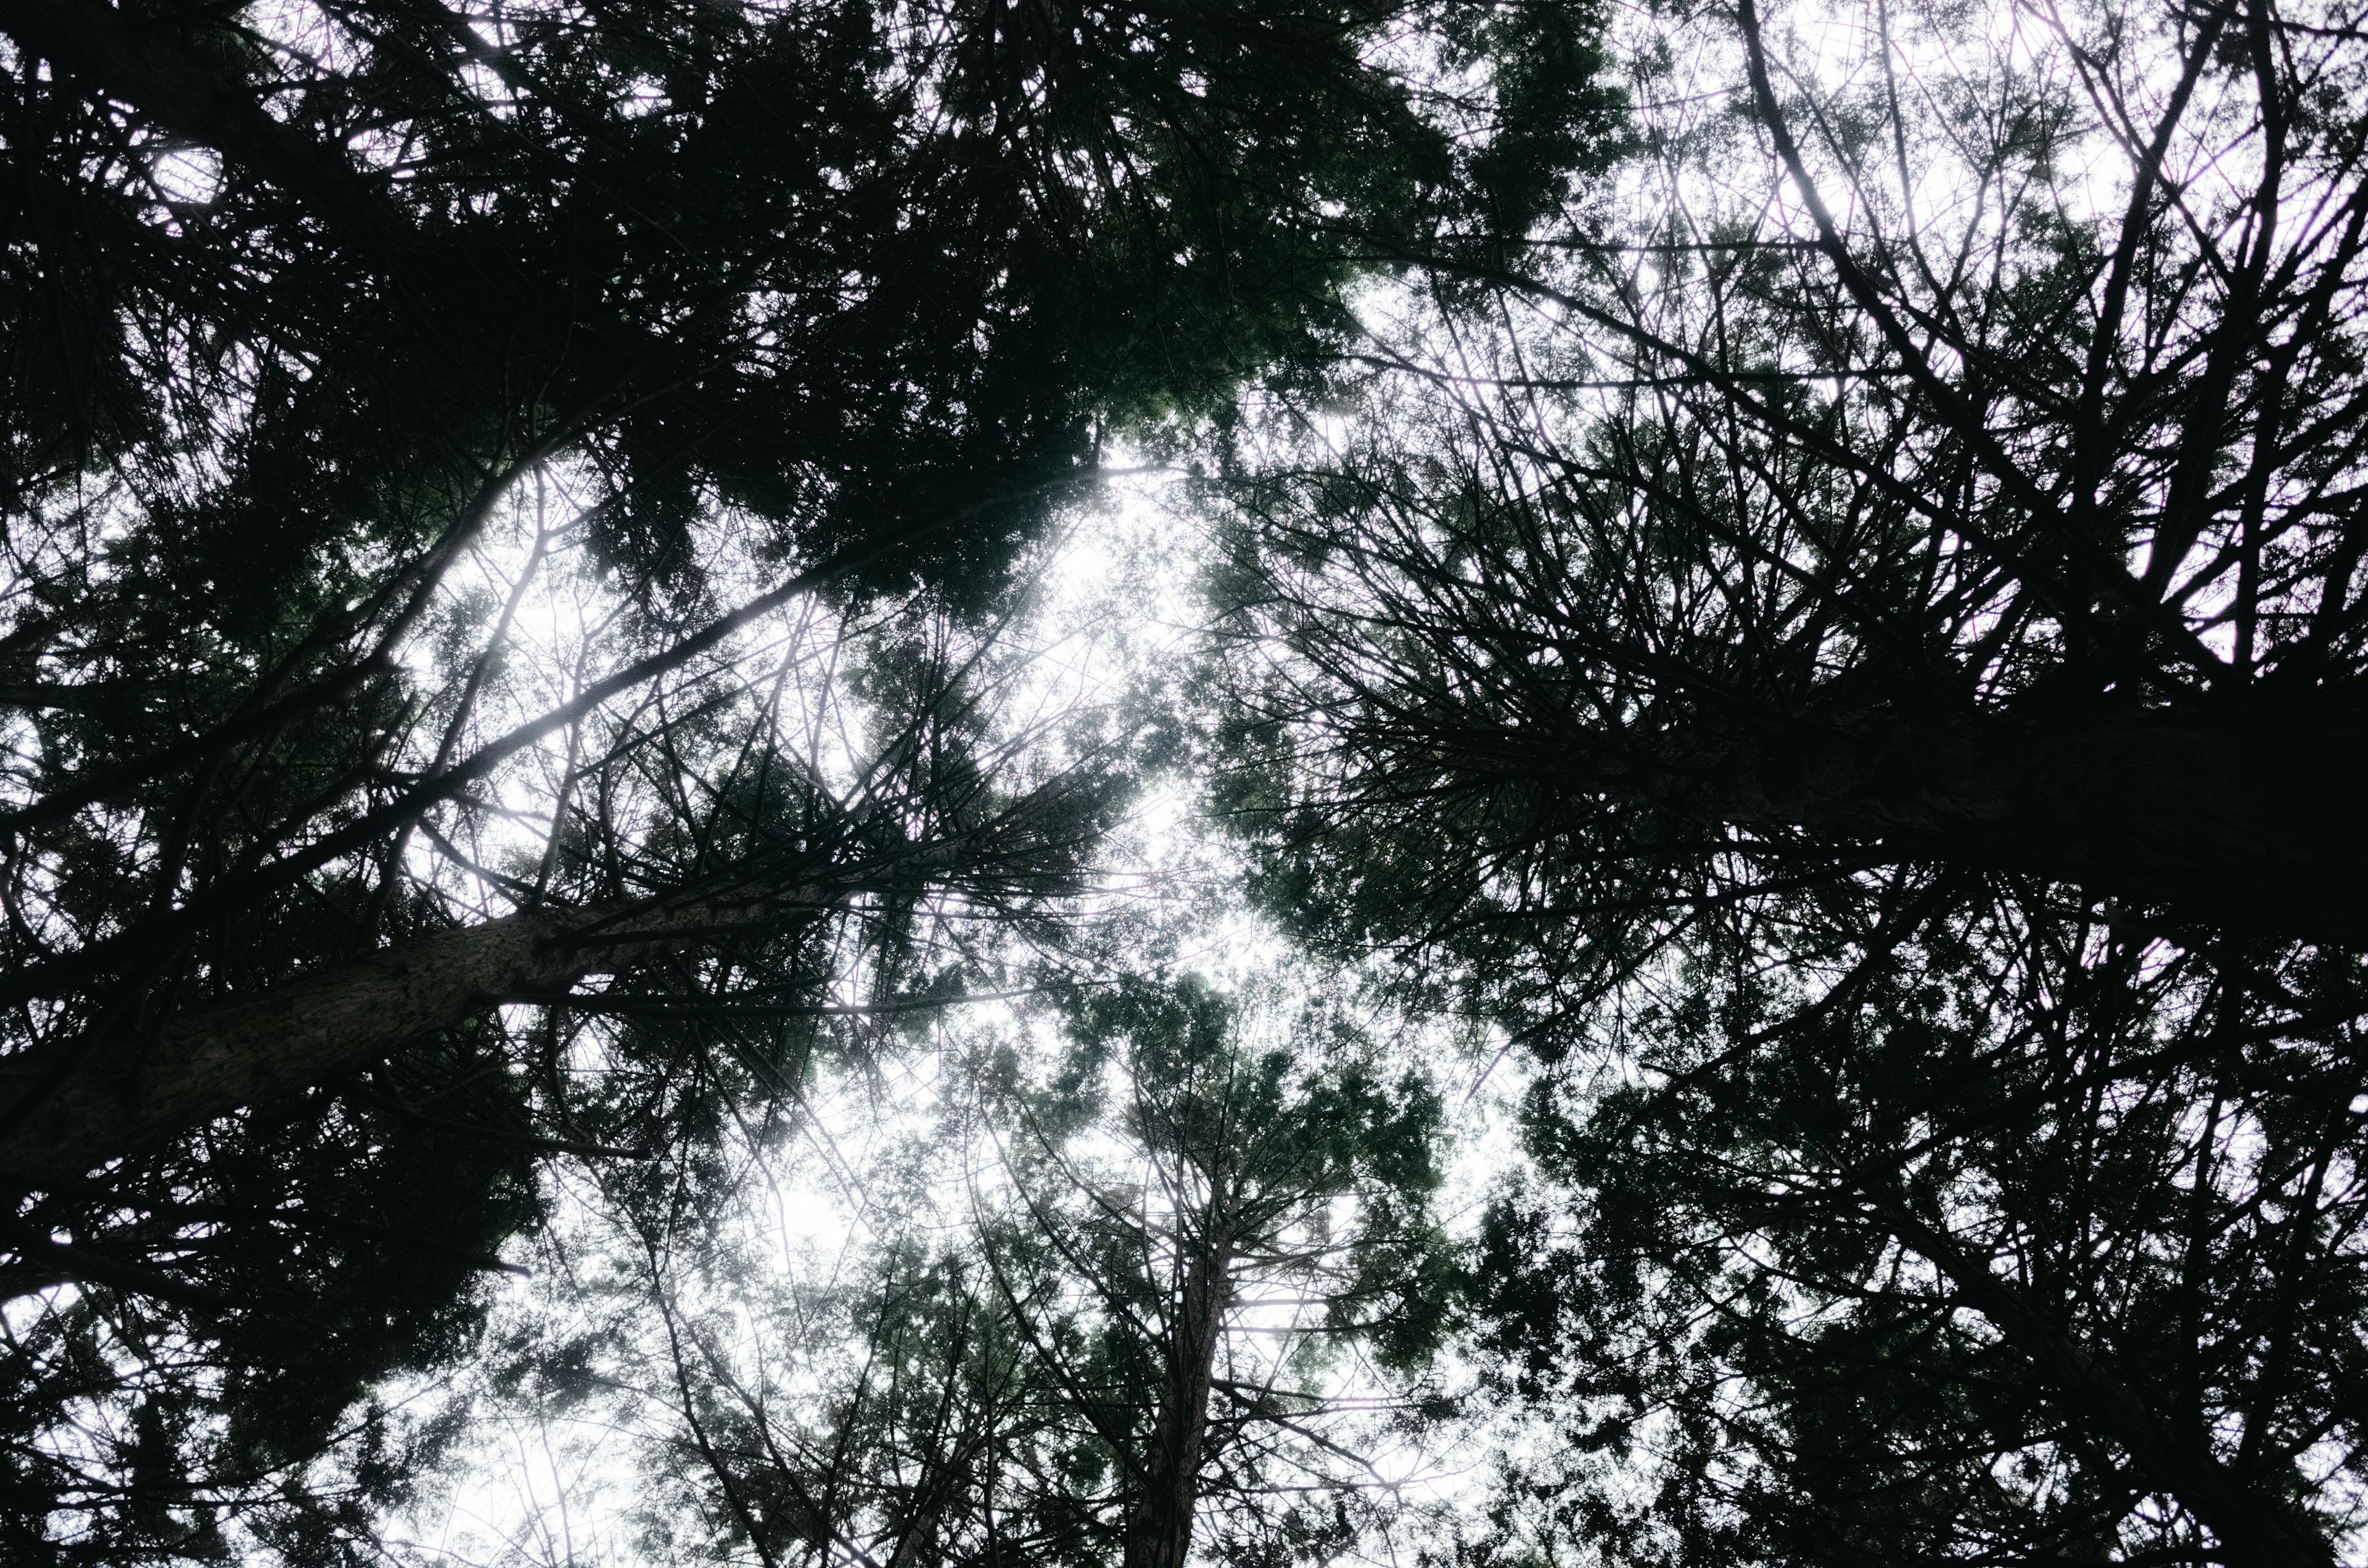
x=1496 y=783
x=1859 y=635
x=498 y=497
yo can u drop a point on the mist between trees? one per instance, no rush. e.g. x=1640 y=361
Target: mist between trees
x=1014 y=782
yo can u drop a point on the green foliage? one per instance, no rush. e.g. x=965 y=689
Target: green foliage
x=1716 y=1271
x=1880 y=730
x=670 y=297
x=342 y=1243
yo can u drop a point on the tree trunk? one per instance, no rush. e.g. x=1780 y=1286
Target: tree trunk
x=919 y=1537
x=1159 y=1535
x=2260 y=827
x=72 y=1105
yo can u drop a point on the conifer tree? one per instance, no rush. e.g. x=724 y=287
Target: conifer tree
x=1148 y=1290
x=1857 y=631
x=513 y=502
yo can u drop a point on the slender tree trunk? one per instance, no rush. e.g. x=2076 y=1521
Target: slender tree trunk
x=1159 y=1535
x=76 y=1104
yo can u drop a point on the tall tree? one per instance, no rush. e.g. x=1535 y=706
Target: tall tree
x=502 y=496
x=1868 y=636
x=1264 y=1227
x=318 y=1244
x=317 y=384
x=2016 y=1251
x=1143 y=1290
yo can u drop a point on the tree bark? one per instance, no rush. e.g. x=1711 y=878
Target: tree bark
x=72 y=1107
x=919 y=1537
x=1159 y=1534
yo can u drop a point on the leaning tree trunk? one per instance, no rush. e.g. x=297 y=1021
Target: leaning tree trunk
x=72 y=1105
x=2253 y=823
x=1159 y=1534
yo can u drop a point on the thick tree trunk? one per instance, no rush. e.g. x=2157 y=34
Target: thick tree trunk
x=1159 y=1533
x=2262 y=827
x=74 y=1106
x=919 y=1538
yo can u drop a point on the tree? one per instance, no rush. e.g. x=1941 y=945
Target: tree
x=502 y=497
x=1270 y=1183
x=242 y=1231
x=1871 y=644
x=2014 y=1252
x=1152 y=1288
x=1892 y=620
x=298 y=430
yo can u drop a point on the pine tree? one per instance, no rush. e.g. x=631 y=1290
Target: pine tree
x=1138 y=1282
x=1279 y=1191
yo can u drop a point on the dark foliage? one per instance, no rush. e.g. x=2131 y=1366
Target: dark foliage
x=1859 y=667
x=311 y=312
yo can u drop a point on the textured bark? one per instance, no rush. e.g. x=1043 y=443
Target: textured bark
x=1159 y=1534
x=919 y=1539
x=74 y=1106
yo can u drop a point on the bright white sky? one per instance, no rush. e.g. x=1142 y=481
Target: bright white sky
x=540 y=1486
